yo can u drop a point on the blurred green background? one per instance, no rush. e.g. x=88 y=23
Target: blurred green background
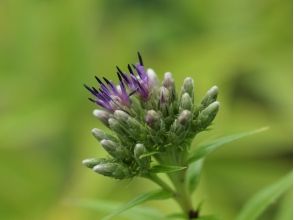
x=48 y=49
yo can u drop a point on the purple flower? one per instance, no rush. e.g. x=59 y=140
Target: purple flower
x=109 y=96
x=112 y=97
x=140 y=83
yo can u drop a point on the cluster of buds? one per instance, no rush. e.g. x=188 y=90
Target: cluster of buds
x=149 y=122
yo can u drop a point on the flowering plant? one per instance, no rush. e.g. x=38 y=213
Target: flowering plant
x=151 y=130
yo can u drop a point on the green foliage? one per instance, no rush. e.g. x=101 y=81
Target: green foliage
x=208 y=217
x=193 y=174
x=166 y=169
x=49 y=48
x=103 y=206
x=205 y=149
x=155 y=195
x=259 y=202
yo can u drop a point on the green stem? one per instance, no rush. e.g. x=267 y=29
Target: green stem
x=182 y=199
x=182 y=196
x=161 y=183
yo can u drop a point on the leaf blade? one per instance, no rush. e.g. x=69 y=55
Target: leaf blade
x=260 y=201
x=166 y=169
x=154 y=195
x=205 y=149
x=145 y=213
x=193 y=175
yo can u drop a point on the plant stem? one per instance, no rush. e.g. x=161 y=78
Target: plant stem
x=161 y=183
x=178 y=179
x=182 y=194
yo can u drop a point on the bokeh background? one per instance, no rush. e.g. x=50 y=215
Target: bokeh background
x=48 y=49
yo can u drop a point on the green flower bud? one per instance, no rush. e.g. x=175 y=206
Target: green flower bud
x=185 y=117
x=114 y=170
x=115 y=126
x=91 y=162
x=109 y=146
x=169 y=83
x=164 y=96
x=99 y=134
x=133 y=123
x=121 y=115
x=186 y=102
x=210 y=97
x=188 y=87
x=103 y=116
x=207 y=115
x=139 y=151
x=152 y=119
x=114 y=149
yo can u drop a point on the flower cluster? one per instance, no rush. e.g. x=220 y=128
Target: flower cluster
x=149 y=122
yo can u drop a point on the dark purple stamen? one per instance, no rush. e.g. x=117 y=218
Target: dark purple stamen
x=140 y=59
x=119 y=77
x=132 y=93
x=112 y=97
x=130 y=69
x=118 y=69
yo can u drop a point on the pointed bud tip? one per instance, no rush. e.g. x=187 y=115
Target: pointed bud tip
x=214 y=105
x=98 y=168
x=185 y=117
x=213 y=90
x=188 y=80
x=95 y=131
x=91 y=162
x=97 y=112
x=121 y=115
x=86 y=162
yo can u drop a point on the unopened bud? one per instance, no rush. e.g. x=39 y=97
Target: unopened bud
x=152 y=118
x=139 y=151
x=186 y=102
x=152 y=78
x=207 y=115
x=109 y=145
x=103 y=116
x=168 y=81
x=114 y=170
x=210 y=96
x=164 y=95
x=91 y=162
x=99 y=134
x=188 y=87
x=134 y=124
x=115 y=125
x=185 y=117
x=121 y=115
x=114 y=149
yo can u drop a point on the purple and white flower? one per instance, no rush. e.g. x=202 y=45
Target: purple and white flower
x=113 y=97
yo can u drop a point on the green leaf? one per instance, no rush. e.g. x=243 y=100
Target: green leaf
x=176 y=216
x=207 y=217
x=204 y=149
x=148 y=154
x=154 y=195
x=193 y=175
x=285 y=211
x=165 y=169
x=145 y=213
x=258 y=203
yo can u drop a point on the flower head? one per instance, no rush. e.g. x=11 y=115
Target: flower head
x=150 y=121
x=112 y=97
